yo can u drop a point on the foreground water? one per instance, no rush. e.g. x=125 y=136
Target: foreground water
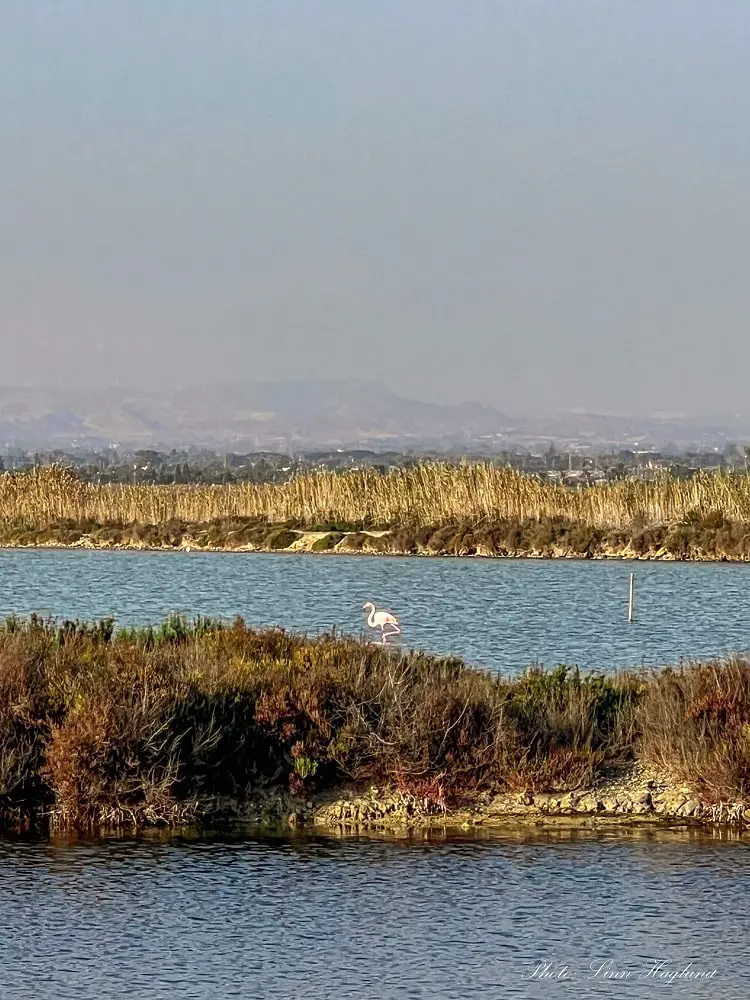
x=371 y=919
x=498 y=613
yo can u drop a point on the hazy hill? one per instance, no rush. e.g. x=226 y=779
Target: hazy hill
x=252 y=415
x=308 y=414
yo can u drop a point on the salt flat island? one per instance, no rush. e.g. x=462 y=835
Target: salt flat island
x=209 y=722
x=431 y=509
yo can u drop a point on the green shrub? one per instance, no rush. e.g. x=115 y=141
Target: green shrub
x=327 y=542
x=280 y=538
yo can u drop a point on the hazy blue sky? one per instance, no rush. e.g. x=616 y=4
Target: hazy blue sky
x=535 y=204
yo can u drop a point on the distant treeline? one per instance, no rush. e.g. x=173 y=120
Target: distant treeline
x=148 y=466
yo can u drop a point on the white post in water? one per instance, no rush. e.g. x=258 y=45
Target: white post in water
x=632 y=595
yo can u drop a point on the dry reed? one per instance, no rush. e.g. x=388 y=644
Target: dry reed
x=429 y=494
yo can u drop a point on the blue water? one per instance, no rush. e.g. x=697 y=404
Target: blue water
x=495 y=613
x=374 y=919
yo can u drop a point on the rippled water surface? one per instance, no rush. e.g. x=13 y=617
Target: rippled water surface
x=368 y=919
x=497 y=613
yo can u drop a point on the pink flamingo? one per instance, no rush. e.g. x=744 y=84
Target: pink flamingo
x=382 y=620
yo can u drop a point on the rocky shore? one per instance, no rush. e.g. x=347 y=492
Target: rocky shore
x=629 y=795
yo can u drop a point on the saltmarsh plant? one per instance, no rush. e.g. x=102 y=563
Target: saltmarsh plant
x=100 y=726
x=570 y=724
x=695 y=725
x=327 y=542
x=104 y=727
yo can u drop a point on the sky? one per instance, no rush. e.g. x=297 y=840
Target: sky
x=532 y=204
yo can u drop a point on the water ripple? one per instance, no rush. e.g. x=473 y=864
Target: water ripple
x=369 y=919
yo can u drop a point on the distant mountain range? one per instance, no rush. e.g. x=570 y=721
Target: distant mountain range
x=299 y=415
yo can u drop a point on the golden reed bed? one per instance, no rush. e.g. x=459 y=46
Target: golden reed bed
x=429 y=494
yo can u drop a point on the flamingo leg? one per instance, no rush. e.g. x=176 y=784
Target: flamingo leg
x=392 y=628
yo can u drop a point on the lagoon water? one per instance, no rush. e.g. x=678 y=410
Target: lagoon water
x=522 y=917
x=372 y=919
x=503 y=614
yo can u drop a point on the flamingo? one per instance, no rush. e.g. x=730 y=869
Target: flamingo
x=382 y=620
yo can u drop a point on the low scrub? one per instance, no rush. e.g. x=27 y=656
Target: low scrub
x=327 y=542
x=105 y=727
x=695 y=724
x=711 y=537
x=99 y=726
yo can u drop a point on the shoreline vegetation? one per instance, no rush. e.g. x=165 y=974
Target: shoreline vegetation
x=433 y=509
x=209 y=722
